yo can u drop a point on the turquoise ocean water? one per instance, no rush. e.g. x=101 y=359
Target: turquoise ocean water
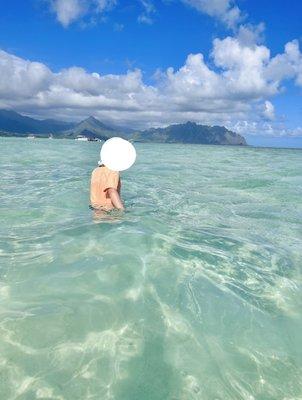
x=194 y=293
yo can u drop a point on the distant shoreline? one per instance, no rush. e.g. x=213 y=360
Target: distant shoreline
x=247 y=146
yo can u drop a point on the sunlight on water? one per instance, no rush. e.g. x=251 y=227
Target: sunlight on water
x=194 y=293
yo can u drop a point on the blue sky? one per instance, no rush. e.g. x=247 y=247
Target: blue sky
x=126 y=62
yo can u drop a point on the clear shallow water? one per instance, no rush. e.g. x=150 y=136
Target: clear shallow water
x=194 y=293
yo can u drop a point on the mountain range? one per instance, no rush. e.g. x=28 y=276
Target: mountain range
x=15 y=124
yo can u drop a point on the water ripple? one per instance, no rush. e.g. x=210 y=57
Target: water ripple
x=193 y=294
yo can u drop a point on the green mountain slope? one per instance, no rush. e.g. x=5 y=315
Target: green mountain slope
x=15 y=124
x=91 y=127
x=190 y=132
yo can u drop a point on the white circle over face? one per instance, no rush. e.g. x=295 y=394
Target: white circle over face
x=117 y=154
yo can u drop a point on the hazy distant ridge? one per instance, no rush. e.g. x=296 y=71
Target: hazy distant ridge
x=12 y=122
x=191 y=132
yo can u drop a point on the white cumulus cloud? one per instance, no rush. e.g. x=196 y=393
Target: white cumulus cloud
x=269 y=110
x=21 y=79
x=103 y=5
x=148 y=10
x=287 y=65
x=224 y=10
x=235 y=91
x=69 y=11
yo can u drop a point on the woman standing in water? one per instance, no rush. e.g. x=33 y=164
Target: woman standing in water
x=105 y=189
x=116 y=155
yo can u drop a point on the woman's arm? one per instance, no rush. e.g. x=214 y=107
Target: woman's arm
x=115 y=198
